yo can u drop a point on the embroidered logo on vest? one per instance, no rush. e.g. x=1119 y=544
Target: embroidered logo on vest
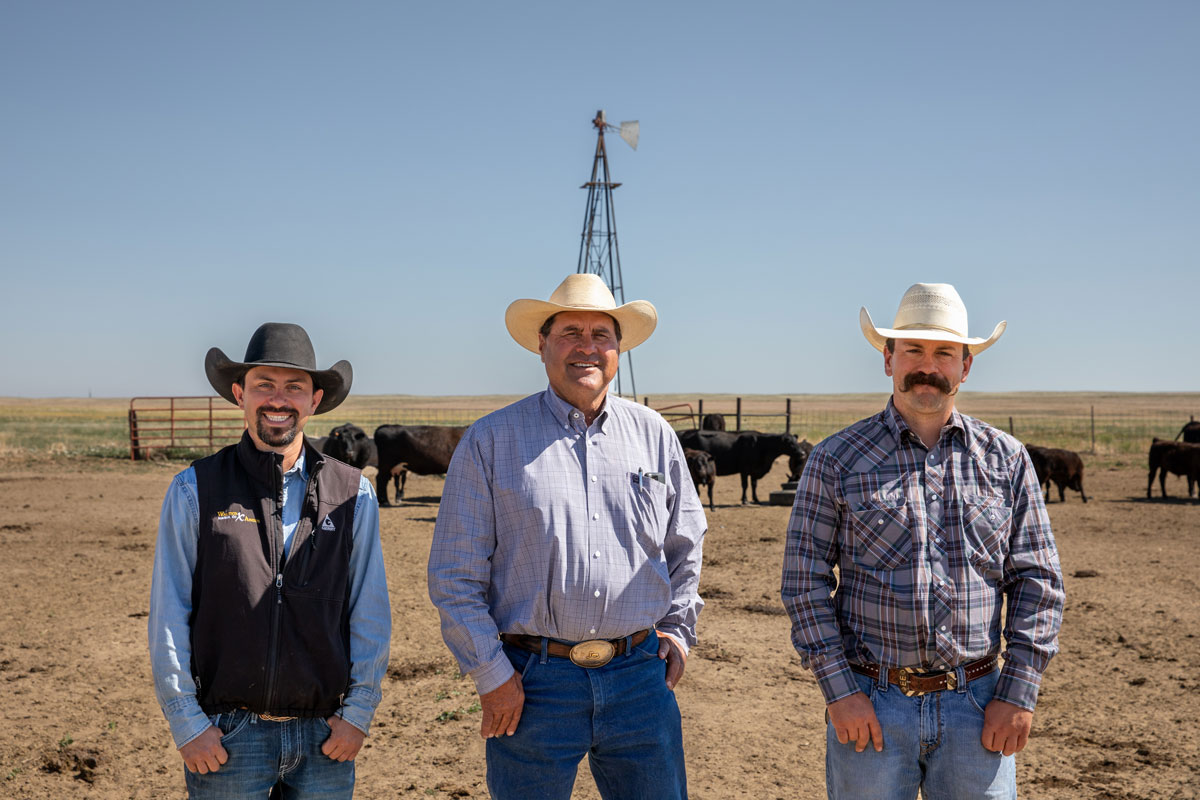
x=328 y=525
x=240 y=516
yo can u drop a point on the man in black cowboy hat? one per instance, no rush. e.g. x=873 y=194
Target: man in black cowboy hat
x=269 y=615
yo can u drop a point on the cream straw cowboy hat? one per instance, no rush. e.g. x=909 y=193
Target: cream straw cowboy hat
x=928 y=311
x=580 y=292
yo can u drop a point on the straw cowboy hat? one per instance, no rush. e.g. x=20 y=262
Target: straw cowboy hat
x=580 y=292
x=928 y=311
x=280 y=344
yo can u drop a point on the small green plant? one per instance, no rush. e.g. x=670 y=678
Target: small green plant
x=65 y=742
x=12 y=773
x=112 y=725
x=442 y=695
x=474 y=708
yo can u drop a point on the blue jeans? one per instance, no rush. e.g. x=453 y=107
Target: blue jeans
x=622 y=716
x=931 y=742
x=263 y=753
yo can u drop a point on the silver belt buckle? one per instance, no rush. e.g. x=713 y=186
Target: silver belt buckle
x=592 y=653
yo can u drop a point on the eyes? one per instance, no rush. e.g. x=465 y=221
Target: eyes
x=576 y=334
x=266 y=387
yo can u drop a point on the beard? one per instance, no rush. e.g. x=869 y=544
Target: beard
x=273 y=435
x=927 y=379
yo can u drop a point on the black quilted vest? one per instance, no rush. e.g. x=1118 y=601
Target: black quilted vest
x=269 y=636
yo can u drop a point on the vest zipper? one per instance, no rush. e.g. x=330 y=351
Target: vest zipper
x=277 y=555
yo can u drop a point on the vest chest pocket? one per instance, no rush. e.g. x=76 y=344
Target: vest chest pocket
x=880 y=537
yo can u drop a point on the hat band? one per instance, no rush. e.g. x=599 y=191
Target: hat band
x=926 y=326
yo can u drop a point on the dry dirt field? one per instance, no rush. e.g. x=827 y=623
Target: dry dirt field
x=1118 y=716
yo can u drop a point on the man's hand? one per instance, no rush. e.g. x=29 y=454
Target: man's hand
x=344 y=739
x=204 y=754
x=671 y=651
x=854 y=720
x=502 y=708
x=1005 y=727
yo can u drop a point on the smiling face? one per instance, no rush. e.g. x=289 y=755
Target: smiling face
x=277 y=403
x=925 y=376
x=581 y=355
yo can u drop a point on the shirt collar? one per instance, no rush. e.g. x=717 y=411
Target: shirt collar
x=901 y=432
x=563 y=411
x=298 y=470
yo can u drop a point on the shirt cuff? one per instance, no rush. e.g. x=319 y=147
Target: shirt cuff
x=358 y=708
x=1018 y=686
x=835 y=678
x=492 y=675
x=186 y=719
x=672 y=631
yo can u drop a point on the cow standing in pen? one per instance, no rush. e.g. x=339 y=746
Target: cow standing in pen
x=1064 y=467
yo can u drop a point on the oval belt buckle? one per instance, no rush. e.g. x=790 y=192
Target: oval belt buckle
x=592 y=653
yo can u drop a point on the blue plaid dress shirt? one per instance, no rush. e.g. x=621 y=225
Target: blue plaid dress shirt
x=550 y=527
x=928 y=543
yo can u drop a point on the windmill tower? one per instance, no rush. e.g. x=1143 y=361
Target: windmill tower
x=598 y=252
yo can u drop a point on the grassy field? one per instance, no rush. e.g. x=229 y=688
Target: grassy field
x=1112 y=425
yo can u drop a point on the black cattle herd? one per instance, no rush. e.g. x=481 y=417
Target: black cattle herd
x=396 y=450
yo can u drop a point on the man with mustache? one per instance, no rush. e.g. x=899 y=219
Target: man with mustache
x=934 y=520
x=269 y=615
x=566 y=561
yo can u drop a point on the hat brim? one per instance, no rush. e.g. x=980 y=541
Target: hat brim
x=524 y=318
x=335 y=382
x=878 y=336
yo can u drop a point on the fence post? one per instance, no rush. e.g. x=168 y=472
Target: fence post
x=1011 y=432
x=1093 y=430
x=739 y=414
x=645 y=400
x=699 y=412
x=787 y=422
x=133 y=435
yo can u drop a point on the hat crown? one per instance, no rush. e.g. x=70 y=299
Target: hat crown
x=584 y=290
x=934 y=306
x=283 y=343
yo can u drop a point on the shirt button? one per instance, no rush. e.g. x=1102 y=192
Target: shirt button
x=596 y=554
x=940 y=666
x=593 y=479
x=598 y=594
x=943 y=628
x=596 y=515
x=593 y=630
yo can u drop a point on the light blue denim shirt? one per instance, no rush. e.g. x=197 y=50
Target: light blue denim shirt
x=171 y=603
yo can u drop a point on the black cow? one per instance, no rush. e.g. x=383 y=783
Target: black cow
x=1064 y=467
x=1190 y=432
x=796 y=461
x=423 y=449
x=712 y=422
x=350 y=444
x=1181 y=458
x=703 y=470
x=748 y=453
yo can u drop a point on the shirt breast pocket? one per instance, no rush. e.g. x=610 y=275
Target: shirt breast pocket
x=880 y=535
x=987 y=526
x=648 y=512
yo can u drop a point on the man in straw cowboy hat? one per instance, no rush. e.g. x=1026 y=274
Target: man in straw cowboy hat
x=269 y=615
x=934 y=520
x=566 y=560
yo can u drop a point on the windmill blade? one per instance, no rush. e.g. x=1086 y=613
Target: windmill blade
x=629 y=132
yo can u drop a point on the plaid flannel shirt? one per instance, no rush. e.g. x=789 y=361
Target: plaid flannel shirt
x=927 y=543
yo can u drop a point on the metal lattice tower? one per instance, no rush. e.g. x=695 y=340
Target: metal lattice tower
x=598 y=252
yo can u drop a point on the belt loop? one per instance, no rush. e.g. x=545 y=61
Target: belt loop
x=545 y=647
x=629 y=645
x=253 y=717
x=960 y=675
x=881 y=682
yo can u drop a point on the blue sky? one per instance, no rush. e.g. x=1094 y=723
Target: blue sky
x=392 y=175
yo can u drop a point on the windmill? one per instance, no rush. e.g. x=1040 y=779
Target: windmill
x=598 y=252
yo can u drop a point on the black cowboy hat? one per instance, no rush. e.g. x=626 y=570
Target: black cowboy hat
x=280 y=344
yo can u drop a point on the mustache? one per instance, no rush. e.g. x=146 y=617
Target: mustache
x=925 y=379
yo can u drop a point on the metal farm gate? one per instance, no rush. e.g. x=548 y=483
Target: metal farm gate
x=182 y=423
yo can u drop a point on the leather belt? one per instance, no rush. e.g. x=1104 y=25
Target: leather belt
x=590 y=654
x=914 y=682
x=269 y=717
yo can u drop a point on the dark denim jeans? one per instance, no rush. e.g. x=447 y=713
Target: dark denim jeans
x=621 y=716
x=931 y=742
x=263 y=753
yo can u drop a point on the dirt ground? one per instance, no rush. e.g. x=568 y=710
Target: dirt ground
x=1117 y=719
